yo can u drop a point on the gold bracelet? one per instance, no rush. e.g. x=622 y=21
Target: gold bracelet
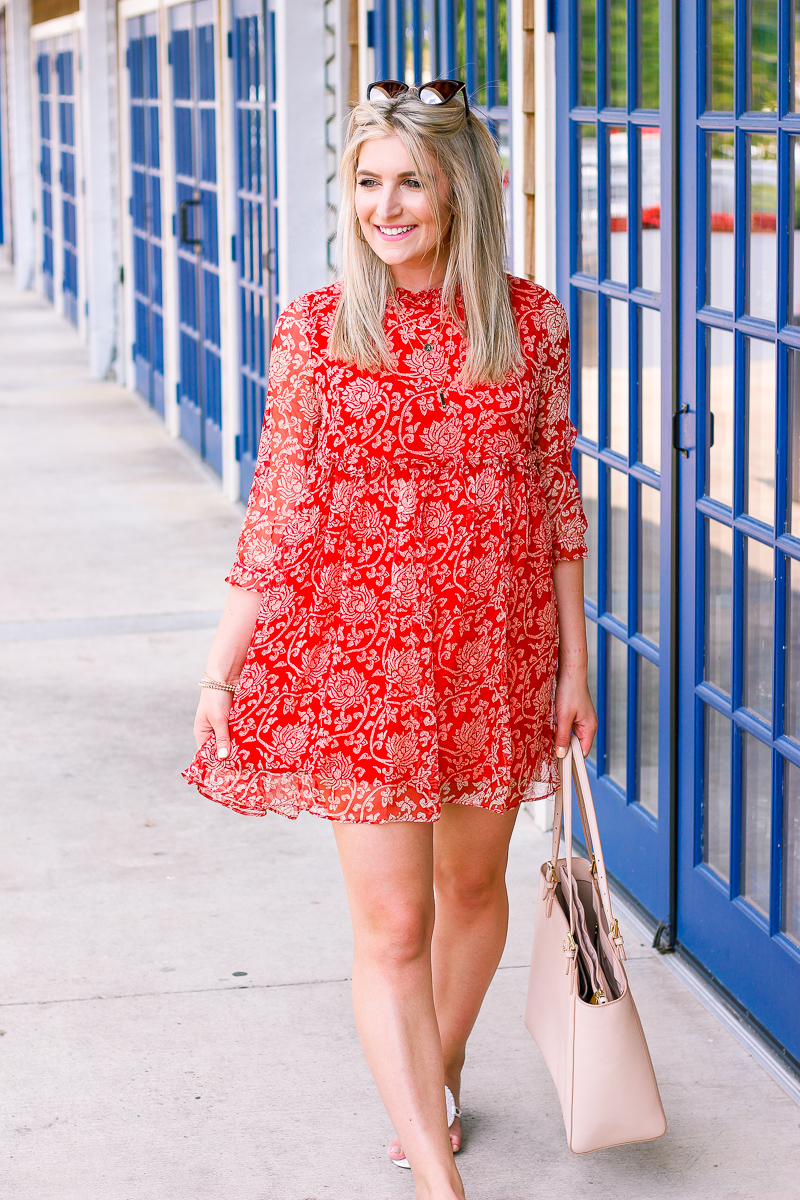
x=208 y=682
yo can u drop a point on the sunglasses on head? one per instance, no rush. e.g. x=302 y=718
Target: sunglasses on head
x=438 y=91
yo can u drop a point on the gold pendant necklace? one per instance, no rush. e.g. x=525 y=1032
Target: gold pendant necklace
x=427 y=347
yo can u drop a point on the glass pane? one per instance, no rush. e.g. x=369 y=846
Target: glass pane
x=617 y=54
x=793 y=482
x=649 y=560
x=720 y=405
x=618 y=205
x=649 y=145
x=758 y=591
x=717 y=793
x=793 y=315
x=589 y=497
x=719 y=275
x=719 y=597
x=648 y=54
x=762 y=161
x=762 y=78
x=760 y=499
x=587 y=41
x=720 y=67
x=756 y=815
x=792 y=716
x=587 y=242
x=647 y=741
x=618 y=546
x=589 y=399
x=618 y=393
x=591 y=674
x=650 y=388
x=794 y=62
x=790 y=916
x=616 y=709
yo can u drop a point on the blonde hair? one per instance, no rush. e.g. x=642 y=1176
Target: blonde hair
x=464 y=150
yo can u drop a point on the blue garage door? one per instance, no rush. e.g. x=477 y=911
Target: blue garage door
x=65 y=75
x=194 y=92
x=739 y=901
x=255 y=250
x=48 y=156
x=145 y=207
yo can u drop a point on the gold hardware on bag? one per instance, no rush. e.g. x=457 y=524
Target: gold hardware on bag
x=593 y=867
x=599 y=997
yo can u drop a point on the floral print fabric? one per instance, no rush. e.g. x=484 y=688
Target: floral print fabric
x=405 y=651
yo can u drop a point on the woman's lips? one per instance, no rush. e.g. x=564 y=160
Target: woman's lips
x=404 y=231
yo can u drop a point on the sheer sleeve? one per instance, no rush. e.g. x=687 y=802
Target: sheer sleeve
x=554 y=437
x=291 y=422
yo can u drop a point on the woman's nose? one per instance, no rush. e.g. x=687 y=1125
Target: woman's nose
x=389 y=204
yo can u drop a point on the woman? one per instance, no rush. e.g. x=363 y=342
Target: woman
x=408 y=591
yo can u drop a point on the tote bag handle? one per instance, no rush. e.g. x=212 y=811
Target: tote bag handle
x=572 y=766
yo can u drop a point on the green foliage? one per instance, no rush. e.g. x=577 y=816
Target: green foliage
x=648 y=54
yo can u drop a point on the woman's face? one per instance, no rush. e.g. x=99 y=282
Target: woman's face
x=395 y=212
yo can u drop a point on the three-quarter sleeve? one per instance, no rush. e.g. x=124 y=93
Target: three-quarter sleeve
x=288 y=437
x=554 y=436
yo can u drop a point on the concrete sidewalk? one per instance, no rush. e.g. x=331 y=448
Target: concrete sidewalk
x=175 y=992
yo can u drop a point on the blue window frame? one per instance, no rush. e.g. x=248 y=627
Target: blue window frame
x=145 y=127
x=613 y=243
x=65 y=76
x=252 y=51
x=740 y=503
x=418 y=40
x=48 y=153
x=194 y=91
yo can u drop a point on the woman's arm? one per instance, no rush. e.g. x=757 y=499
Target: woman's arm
x=225 y=661
x=574 y=708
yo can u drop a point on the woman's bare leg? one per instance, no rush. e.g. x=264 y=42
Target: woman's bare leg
x=470 y=854
x=388 y=873
x=470 y=857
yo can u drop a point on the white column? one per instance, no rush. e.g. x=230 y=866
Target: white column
x=545 y=68
x=301 y=105
x=516 y=42
x=18 y=24
x=101 y=167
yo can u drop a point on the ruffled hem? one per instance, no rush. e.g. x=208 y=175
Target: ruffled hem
x=254 y=792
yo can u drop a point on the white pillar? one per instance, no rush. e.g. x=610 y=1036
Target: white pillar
x=545 y=68
x=100 y=165
x=301 y=105
x=18 y=26
x=516 y=42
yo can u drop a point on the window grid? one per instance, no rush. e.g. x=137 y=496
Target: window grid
x=748 y=131
x=605 y=204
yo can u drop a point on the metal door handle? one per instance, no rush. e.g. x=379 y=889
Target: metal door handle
x=676 y=430
x=183 y=223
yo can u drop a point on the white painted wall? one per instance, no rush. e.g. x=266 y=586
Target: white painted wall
x=545 y=67
x=21 y=141
x=301 y=103
x=100 y=163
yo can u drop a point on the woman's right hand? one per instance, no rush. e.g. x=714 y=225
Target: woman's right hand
x=212 y=717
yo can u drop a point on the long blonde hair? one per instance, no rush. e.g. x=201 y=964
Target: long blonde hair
x=466 y=153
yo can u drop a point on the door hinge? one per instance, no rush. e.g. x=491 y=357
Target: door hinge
x=551 y=16
x=238 y=447
x=122 y=274
x=233 y=248
x=130 y=206
x=371 y=27
x=169 y=53
x=128 y=58
x=230 y=44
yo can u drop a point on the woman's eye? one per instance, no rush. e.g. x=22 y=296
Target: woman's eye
x=367 y=182
x=414 y=183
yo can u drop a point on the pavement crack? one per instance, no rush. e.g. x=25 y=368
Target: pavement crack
x=234 y=987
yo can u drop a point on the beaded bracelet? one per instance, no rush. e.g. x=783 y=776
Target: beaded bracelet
x=215 y=685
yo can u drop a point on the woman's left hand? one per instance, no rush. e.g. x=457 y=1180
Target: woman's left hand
x=574 y=710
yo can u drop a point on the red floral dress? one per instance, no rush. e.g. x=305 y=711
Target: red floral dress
x=404 y=655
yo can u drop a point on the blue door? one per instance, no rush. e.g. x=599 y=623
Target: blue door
x=145 y=204
x=252 y=51
x=613 y=277
x=65 y=75
x=48 y=153
x=739 y=896
x=194 y=90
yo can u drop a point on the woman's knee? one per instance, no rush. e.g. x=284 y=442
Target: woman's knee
x=471 y=888
x=396 y=934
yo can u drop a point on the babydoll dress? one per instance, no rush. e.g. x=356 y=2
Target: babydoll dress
x=404 y=655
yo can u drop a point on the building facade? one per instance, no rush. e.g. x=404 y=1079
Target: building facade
x=168 y=182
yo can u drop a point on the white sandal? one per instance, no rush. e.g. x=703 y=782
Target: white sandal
x=452 y=1113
